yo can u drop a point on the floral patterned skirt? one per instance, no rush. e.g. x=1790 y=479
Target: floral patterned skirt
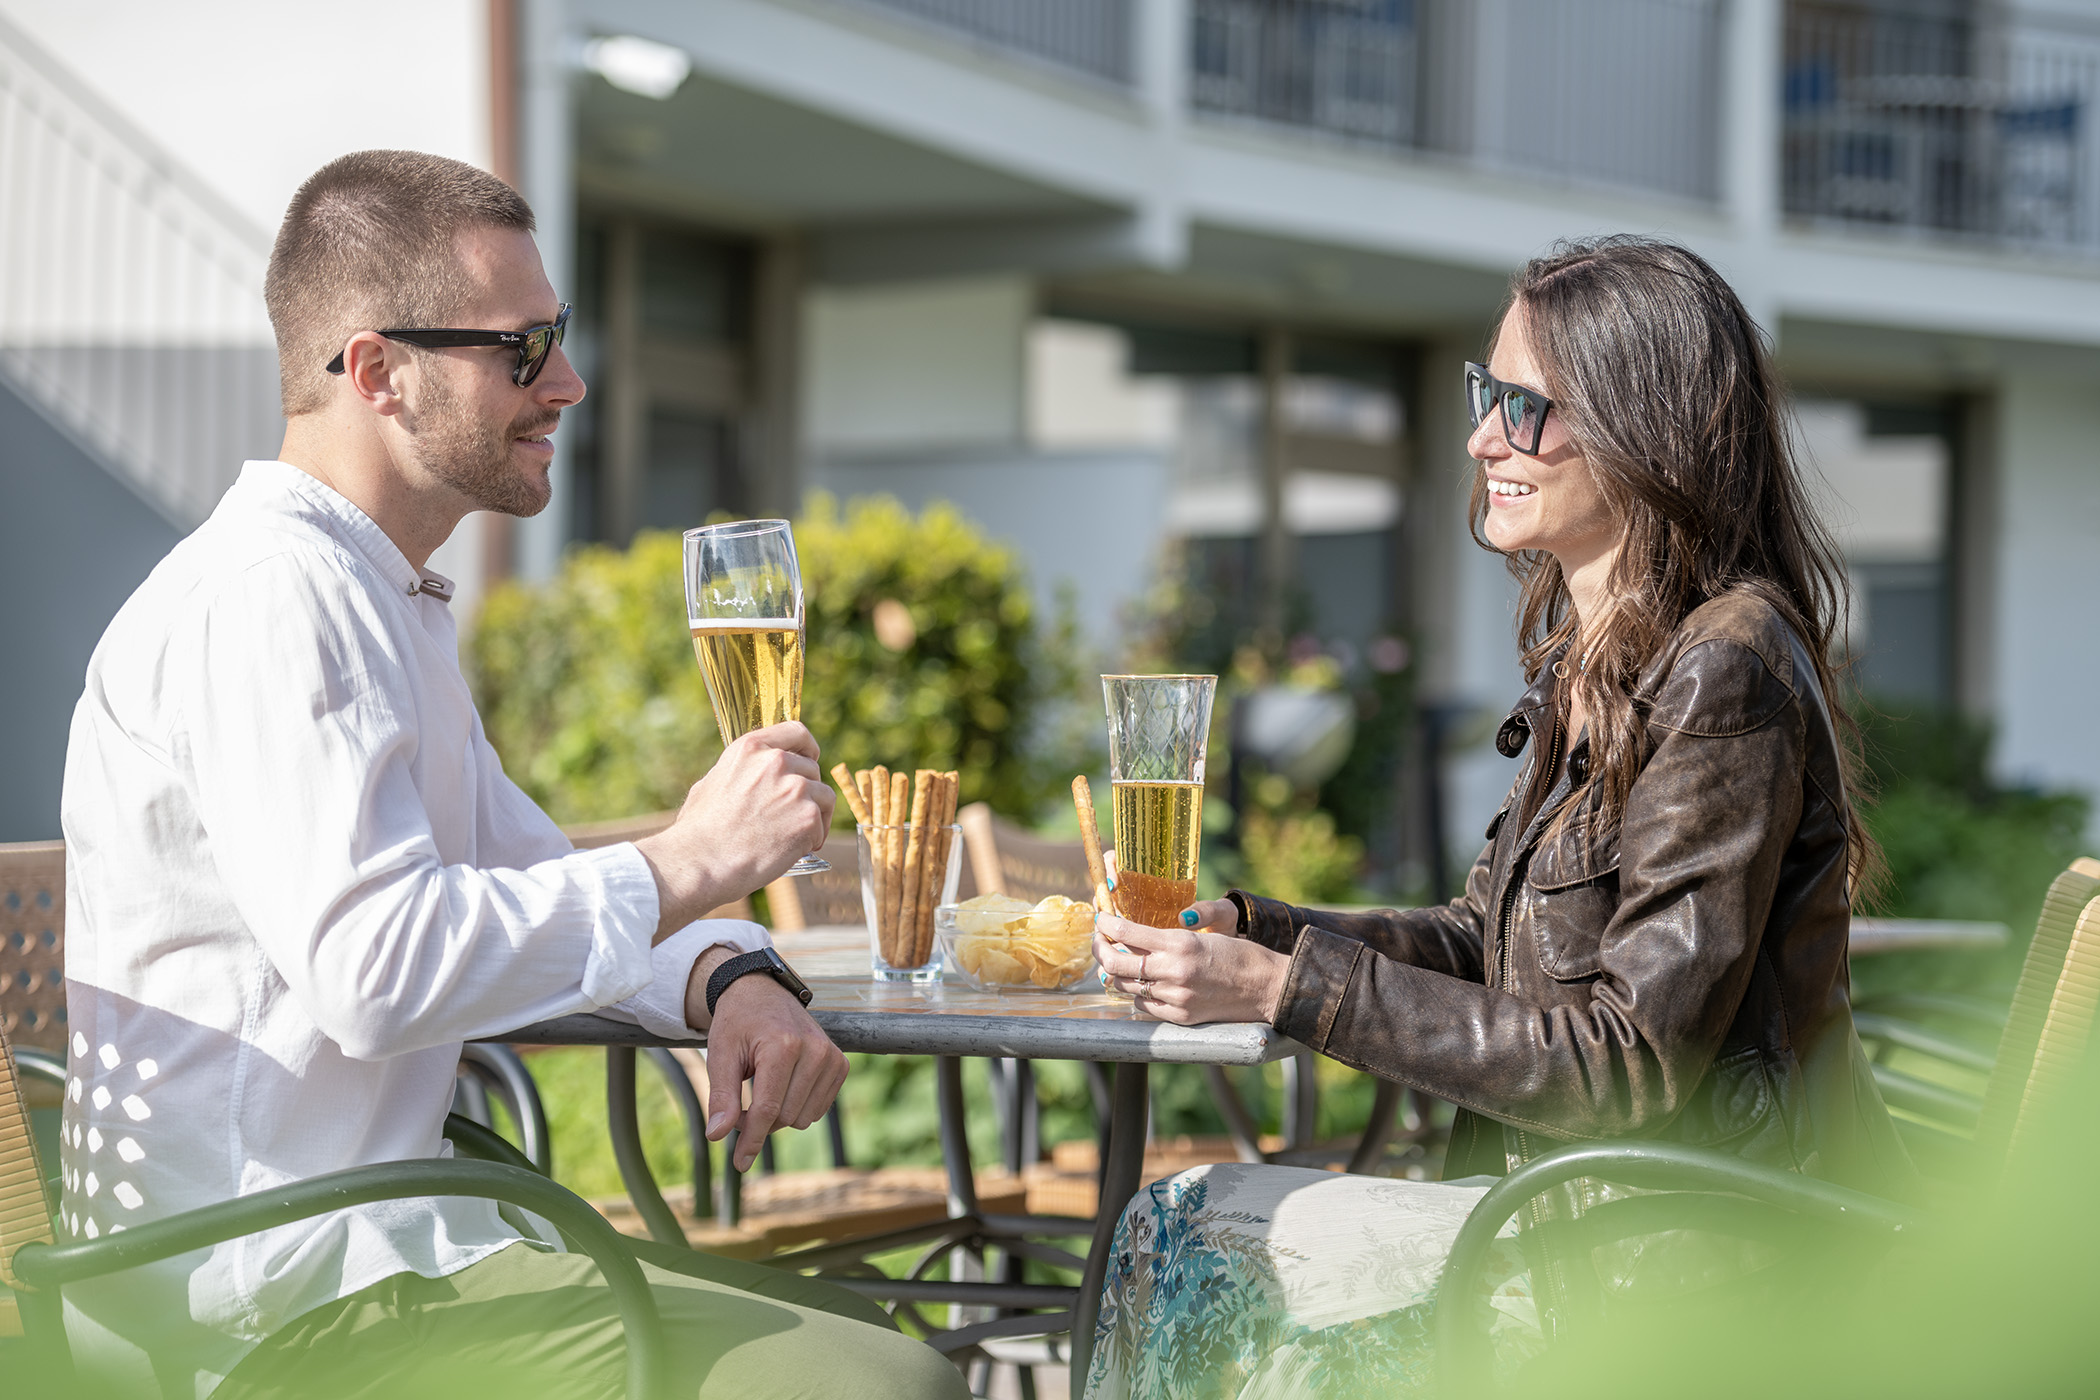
x=1242 y=1282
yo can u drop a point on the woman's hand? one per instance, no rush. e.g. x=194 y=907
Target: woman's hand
x=1190 y=976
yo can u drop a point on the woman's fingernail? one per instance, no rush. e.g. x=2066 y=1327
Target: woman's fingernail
x=1111 y=882
x=1189 y=917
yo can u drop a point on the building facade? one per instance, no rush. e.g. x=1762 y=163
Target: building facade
x=1119 y=275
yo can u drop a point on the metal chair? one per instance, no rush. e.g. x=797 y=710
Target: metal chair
x=2045 y=1042
x=34 y=1268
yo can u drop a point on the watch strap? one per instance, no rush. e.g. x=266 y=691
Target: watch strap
x=743 y=964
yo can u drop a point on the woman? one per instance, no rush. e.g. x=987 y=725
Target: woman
x=1653 y=942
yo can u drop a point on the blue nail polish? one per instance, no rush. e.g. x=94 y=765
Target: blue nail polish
x=1188 y=917
x=1111 y=882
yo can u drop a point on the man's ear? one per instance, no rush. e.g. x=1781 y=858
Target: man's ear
x=374 y=368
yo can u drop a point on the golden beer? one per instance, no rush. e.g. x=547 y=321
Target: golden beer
x=1159 y=829
x=753 y=672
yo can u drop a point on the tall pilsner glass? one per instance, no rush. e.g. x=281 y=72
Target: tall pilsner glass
x=743 y=602
x=1158 y=731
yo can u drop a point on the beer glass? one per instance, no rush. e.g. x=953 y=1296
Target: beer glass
x=1158 y=730
x=743 y=603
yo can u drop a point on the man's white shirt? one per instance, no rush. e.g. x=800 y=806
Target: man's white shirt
x=296 y=880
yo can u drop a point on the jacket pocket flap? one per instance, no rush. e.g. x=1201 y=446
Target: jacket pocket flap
x=1577 y=853
x=1732 y=1101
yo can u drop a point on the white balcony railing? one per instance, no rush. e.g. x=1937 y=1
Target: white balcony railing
x=130 y=297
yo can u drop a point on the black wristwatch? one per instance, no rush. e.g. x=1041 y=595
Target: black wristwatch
x=764 y=960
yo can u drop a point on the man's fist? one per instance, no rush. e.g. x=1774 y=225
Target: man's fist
x=763 y=806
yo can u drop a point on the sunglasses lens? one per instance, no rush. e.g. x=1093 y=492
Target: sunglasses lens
x=1521 y=410
x=1479 y=399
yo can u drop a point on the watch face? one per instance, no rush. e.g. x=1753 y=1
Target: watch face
x=786 y=976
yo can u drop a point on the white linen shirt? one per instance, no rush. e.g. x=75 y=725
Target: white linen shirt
x=296 y=880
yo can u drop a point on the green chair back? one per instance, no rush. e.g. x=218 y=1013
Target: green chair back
x=25 y=1216
x=2060 y=1048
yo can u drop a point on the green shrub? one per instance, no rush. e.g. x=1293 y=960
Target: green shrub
x=1959 y=845
x=590 y=692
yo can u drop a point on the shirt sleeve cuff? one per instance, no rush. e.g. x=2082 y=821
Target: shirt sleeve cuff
x=659 y=1008
x=620 y=962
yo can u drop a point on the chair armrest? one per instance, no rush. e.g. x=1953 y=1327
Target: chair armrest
x=472 y=1140
x=1981 y=1011
x=1909 y=1035
x=1927 y=1099
x=43 y=1266
x=1462 y=1359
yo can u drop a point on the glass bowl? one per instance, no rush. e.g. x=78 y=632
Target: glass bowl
x=999 y=944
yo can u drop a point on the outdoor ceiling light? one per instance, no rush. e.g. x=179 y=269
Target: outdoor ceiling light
x=637 y=65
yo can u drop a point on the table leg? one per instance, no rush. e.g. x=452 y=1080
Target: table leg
x=626 y=1133
x=1123 y=1165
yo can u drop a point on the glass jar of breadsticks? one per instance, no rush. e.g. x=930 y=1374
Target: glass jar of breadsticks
x=910 y=864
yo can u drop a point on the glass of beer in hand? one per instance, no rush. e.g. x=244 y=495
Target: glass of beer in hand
x=743 y=602
x=1158 y=731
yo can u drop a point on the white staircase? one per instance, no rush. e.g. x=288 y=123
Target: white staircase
x=131 y=308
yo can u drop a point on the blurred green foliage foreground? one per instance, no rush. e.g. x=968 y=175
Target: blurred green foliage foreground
x=924 y=650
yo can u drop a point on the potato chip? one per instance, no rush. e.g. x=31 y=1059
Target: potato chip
x=1003 y=941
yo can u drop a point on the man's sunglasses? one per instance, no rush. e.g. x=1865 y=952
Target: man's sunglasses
x=533 y=345
x=1523 y=410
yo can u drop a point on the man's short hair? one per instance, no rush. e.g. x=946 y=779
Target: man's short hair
x=371 y=241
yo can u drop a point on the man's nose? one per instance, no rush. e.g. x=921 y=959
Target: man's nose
x=559 y=385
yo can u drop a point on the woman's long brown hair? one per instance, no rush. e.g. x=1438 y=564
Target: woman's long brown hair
x=1665 y=384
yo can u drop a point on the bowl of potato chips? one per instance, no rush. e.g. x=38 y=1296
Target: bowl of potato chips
x=997 y=943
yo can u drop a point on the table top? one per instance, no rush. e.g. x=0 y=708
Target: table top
x=949 y=1018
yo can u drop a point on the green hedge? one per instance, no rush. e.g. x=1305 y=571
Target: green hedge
x=590 y=692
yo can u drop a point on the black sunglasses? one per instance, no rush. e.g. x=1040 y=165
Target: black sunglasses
x=534 y=345
x=1523 y=410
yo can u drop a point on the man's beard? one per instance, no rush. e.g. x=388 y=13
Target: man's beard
x=473 y=458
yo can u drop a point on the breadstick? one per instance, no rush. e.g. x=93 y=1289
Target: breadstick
x=878 y=856
x=893 y=861
x=850 y=790
x=941 y=842
x=1090 y=836
x=915 y=863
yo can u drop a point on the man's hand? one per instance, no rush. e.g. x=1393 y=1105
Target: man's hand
x=762 y=807
x=760 y=1032
x=1191 y=976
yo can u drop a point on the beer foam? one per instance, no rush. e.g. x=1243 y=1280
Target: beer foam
x=743 y=624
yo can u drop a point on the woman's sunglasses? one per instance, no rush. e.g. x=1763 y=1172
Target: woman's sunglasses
x=1523 y=410
x=534 y=345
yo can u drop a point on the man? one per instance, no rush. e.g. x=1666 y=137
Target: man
x=298 y=878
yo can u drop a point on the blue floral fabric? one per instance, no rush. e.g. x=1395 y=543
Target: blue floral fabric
x=1251 y=1282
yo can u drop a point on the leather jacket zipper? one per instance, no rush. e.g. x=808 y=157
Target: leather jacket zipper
x=1534 y=1209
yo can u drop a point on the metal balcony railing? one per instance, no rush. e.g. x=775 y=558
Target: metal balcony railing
x=1941 y=124
x=1092 y=37
x=130 y=298
x=1612 y=92
x=1344 y=66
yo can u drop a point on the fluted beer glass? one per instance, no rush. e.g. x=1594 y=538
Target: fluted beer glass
x=1158 y=732
x=743 y=602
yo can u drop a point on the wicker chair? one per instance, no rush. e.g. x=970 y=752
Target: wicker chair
x=2056 y=1005
x=1961 y=1133
x=33 y=944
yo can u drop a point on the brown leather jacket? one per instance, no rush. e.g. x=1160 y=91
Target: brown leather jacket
x=1682 y=976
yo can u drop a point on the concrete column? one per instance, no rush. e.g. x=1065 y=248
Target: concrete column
x=775 y=439
x=1278 y=555
x=623 y=415
x=546 y=43
x=2046 y=500
x=1464 y=602
x=1752 y=54
x=1159 y=68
